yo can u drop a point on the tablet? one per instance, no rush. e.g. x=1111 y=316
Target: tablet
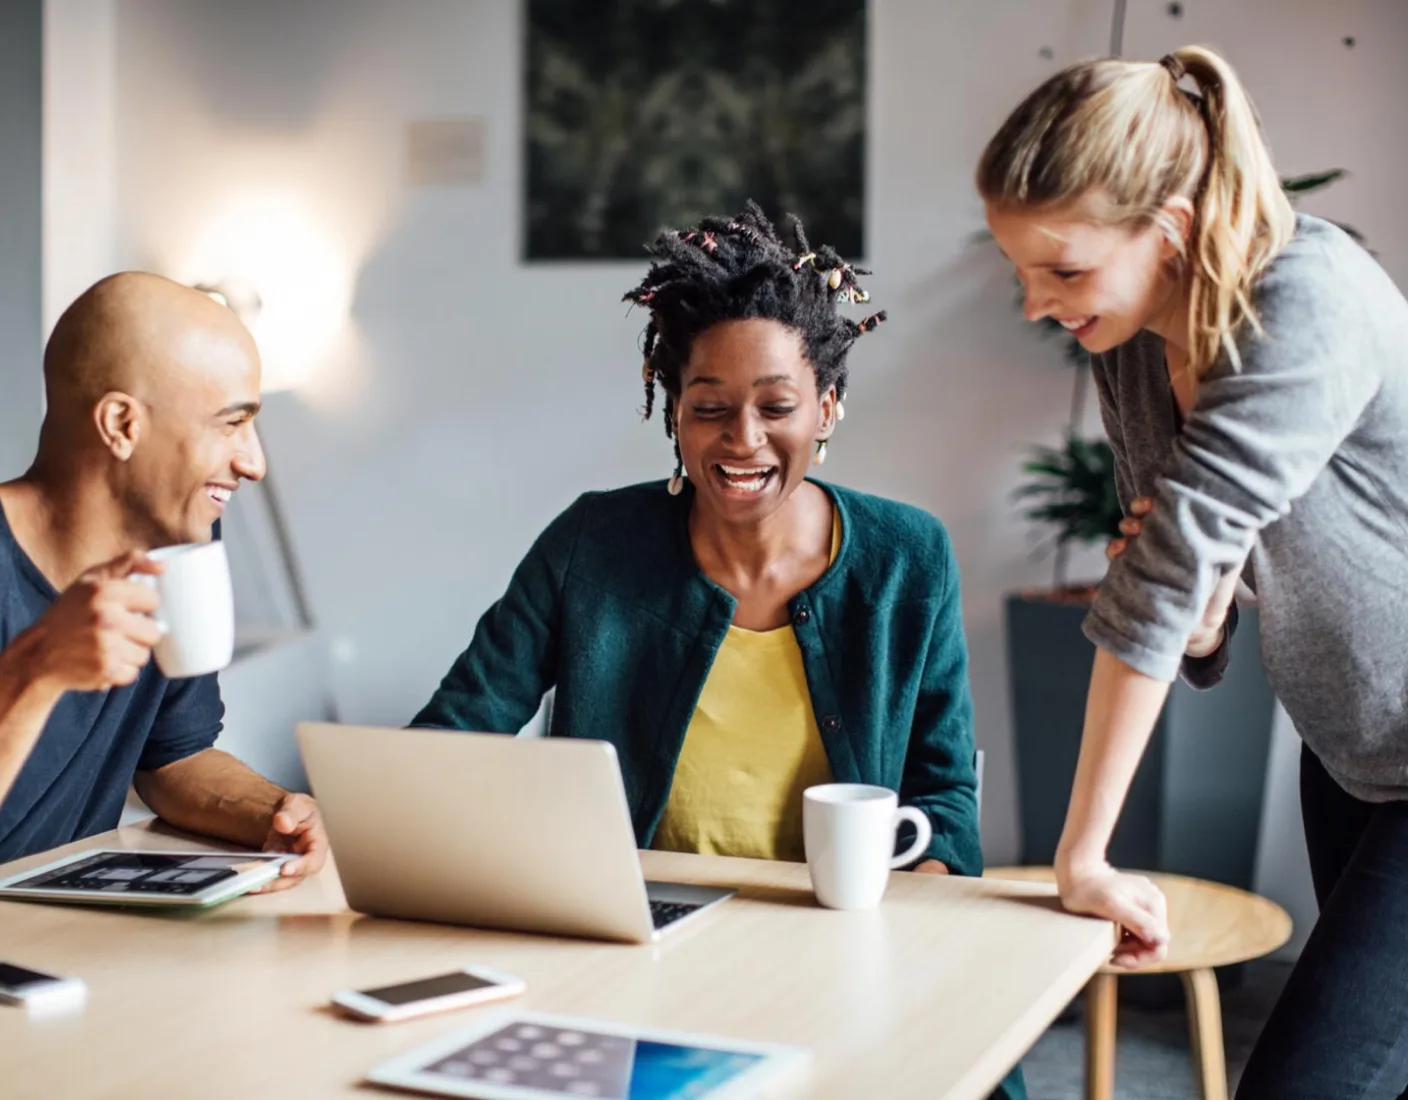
x=528 y=1056
x=121 y=877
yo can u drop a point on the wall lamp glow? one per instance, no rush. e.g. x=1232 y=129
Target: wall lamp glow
x=273 y=260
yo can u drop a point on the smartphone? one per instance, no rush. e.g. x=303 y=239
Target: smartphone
x=472 y=985
x=35 y=989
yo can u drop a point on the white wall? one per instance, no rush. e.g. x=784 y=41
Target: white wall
x=21 y=109
x=80 y=154
x=1322 y=104
x=470 y=397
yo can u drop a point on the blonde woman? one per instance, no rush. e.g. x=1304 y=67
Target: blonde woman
x=1252 y=366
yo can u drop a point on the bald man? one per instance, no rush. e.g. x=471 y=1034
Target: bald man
x=152 y=391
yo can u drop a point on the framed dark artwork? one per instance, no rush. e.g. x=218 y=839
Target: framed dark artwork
x=643 y=114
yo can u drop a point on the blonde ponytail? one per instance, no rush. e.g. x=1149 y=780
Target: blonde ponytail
x=1243 y=217
x=1124 y=129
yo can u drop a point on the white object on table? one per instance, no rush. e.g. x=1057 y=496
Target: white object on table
x=849 y=832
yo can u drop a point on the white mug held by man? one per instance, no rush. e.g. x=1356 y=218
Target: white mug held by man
x=196 y=612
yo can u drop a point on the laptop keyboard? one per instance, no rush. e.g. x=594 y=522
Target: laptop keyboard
x=667 y=912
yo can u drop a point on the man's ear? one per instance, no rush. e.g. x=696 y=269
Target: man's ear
x=826 y=416
x=118 y=418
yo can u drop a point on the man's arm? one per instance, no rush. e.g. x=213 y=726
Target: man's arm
x=216 y=795
x=97 y=635
x=26 y=701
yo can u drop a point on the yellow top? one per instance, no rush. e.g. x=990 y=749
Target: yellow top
x=751 y=749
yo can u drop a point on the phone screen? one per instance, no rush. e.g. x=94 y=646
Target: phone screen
x=442 y=985
x=18 y=978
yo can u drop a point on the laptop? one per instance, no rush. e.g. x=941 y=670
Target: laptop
x=489 y=830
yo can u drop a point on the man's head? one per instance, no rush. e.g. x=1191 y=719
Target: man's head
x=152 y=388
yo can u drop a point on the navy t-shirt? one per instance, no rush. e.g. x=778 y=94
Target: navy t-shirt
x=76 y=779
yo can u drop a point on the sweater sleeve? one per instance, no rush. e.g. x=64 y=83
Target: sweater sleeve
x=1199 y=673
x=1257 y=439
x=939 y=778
x=1202 y=673
x=498 y=683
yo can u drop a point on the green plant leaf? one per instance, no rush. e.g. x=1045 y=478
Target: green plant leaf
x=1072 y=490
x=1314 y=181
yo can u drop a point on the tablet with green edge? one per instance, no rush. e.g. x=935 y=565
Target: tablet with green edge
x=189 y=880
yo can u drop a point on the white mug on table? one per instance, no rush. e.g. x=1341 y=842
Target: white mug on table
x=197 y=609
x=849 y=832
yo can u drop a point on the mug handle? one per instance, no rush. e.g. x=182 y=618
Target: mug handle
x=926 y=833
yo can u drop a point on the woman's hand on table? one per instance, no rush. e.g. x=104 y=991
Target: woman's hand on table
x=1131 y=901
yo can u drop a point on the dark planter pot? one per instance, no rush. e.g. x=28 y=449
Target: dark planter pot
x=1195 y=805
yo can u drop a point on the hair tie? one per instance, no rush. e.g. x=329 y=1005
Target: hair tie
x=1174 y=66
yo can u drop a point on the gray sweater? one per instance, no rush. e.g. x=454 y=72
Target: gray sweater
x=1299 y=459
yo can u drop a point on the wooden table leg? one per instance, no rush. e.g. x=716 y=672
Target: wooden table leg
x=1205 y=1029
x=1101 y=1007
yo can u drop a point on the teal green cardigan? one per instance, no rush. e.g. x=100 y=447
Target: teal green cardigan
x=611 y=608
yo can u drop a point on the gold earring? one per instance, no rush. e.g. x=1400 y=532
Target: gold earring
x=820 y=457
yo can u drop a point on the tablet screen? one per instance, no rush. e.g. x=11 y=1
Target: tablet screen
x=143 y=873
x=580 y=1062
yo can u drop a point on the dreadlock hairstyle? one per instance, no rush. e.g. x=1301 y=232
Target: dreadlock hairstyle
x=733 y=269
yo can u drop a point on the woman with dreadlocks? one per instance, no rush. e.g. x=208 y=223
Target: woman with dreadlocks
x=741 y=632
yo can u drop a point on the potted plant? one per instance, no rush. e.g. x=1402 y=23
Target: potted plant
x=1072 y=491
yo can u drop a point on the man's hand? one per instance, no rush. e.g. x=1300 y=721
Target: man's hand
x=99 y=633
x=1207 y=636
x=296 y=826
x=212 y=793
x=932 y=867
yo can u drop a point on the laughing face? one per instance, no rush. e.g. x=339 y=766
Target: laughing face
x=749 y=417
x=198 y=440
x=1103 y=283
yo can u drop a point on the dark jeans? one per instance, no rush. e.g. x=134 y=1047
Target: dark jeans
x=1340 y=1029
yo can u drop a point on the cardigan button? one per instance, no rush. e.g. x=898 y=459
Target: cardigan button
x=831 y=723
x=801 y=616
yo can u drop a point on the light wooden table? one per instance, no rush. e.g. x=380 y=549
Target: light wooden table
x=936 y=994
